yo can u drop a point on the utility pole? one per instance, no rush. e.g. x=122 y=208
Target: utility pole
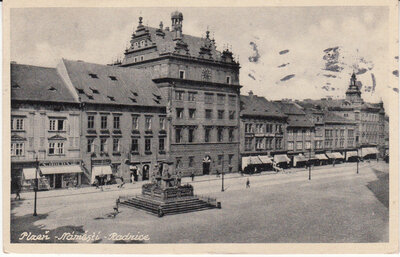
x=36 y=186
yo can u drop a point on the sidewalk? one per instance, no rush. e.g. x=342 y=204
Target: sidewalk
x=185 y=180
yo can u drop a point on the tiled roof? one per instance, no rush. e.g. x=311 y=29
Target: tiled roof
x=289 y=108
x=102 y=84
x=259 y=106
x=299 y=121
x=330 y=117
x=38 y=84
x=166 y=44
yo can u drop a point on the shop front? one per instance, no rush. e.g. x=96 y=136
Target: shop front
x=62 y=174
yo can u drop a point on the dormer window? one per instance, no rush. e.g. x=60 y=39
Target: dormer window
x=111 y=98
x=113 y=78
x=95 y=91
x=52 y=89
x=135 y=44
x=15 y=86
x=93 y=76
x=134 y=93
x=141 y=43
x=181 y=74
x=228 y=79
x=80 y=91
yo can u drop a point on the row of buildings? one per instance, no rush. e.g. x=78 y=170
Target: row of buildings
x=173 y=103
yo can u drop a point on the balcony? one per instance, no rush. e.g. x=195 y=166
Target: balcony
x=91 y=132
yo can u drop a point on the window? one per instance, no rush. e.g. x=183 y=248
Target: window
x=231 y=136
x=232 y=100
x=230 y=158
x=220 y=114
x=178 y=135
x=191 y=161
x=248 y=143
x=178 y=162
x=290 y=133
x=228 y=79
x=259 y=143
x=147 y=144
x=278 y=143
x=17 y=149
x=232 y=115
x=357 y=116
x=308 y=145
x=181 y=74
x=290 y=145
x=135 y=59
x=192 y=113
x=269 y=143
x=162 y=123
x=116 y=122
x=90 y=123
x=208 y=98
x=141 y=58
x=113 y=78
x=90 y=145
x=135 y=122
x=103 y=145
x=93 y=76
x=179 y=113
x=299 y=145
x=220 y=159
x=299 y=133
x=135 y=145
x=142 y=43
x=268 y=128
x=56 y=148
x=179 y=95
x=115 y=145
x=191 y=135
x=341 y=143
x=161 y=144
x=308 y=132
x=57 y=125
x=207 y=132
x=345 y=115
x=220 y=135
x=17 y=124
x=248 y=128
x=342 y=133
x=191 y=96
x=148 y=123
x=208 y=114
x=220 y=99
x=103 y=123
x=350 y=133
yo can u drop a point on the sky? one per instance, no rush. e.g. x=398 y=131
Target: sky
x=284 y=52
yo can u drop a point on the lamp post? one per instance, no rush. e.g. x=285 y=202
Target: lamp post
x=309 y=164
x=36 y=186
x=222 y=177
x=358 y=160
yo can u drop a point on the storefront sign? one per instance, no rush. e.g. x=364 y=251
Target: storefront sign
x=62 y=163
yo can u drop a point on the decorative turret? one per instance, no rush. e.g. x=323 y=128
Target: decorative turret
x=177 y=18
x=205 y=49
x=353 y=93
x=159 y=31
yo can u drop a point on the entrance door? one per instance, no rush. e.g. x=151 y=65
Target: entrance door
x=134 y=175
x=146 y=170
x=58 y=181
x=206 y=168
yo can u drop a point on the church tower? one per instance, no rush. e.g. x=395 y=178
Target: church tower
x=353 y=93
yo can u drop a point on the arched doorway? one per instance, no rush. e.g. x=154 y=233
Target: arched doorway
x=146 y=172
x=206 y=165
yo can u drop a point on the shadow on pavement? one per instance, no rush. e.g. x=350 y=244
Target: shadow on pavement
x=380 y=187
x=23 y=228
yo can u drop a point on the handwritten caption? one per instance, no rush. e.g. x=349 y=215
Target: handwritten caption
x=83 y=237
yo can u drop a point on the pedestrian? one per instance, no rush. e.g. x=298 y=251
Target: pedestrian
x=192 y=175
x=248 y=183
x=17 y=192
x=217 y=173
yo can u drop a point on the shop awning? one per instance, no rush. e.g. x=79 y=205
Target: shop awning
x=30 y=173
x=321 y=156
x=281 y=158
x=265 y=159
x=350 y=154
x=338 y=155
x=368 y=150
x=100 y=171
x=250 y=160
x=298 y=158
x=330 y=155
x=61 y=169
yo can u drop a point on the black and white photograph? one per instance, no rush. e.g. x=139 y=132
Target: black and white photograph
x=137 y=125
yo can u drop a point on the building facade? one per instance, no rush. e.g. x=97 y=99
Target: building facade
x=123 y=121
x=202 y=89
x=262 y=131
x=45 y=130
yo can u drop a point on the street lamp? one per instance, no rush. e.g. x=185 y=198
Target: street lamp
x=222 y=188
x=36 y=185
x=309 y=160
x=358 y=160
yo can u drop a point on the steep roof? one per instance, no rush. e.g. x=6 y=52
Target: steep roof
x=36 y=83
x=330 y=117
x=102 y=84
x=289 y=108
x=299 y=121
x=259 y=106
